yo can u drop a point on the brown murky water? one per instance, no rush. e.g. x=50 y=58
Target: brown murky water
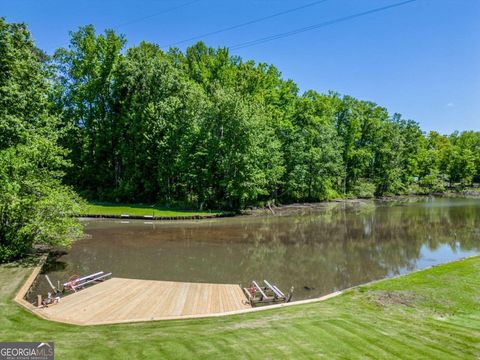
x=317 y=251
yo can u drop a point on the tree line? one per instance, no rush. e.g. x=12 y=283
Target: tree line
x=200 y=128
x=207 y=129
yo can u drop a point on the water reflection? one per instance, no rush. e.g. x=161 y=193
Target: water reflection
x=318 y=251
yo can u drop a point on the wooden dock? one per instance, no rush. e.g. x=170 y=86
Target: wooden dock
x=121 y=300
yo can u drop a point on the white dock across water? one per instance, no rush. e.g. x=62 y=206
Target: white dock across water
x=121 y=300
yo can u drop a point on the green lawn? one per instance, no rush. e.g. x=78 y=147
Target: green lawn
x=140 y=210
x=432 y=314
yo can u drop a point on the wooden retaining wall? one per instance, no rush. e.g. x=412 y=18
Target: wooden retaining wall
x=22 y=293
x=157 y=218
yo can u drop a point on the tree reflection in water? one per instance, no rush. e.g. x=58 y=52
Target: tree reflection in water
x=317 y=250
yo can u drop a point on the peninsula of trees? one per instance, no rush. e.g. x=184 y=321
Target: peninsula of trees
x=208 y=129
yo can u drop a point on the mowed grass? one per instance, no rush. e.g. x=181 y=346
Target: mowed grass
x=432 y=314
x=141 y=210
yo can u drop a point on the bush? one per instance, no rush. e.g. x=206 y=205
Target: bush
x=364 y=189
x=432 y=183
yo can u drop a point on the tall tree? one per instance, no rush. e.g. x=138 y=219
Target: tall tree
x=241 y=154
x=315 y=168
x=159 y=115
x=35 y=208
x=86 y=76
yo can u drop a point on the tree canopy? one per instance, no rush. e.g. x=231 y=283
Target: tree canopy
x=35 y=208
x=205 y=128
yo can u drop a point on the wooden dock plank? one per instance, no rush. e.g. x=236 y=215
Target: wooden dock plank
x=129 y=300
x=90 y=299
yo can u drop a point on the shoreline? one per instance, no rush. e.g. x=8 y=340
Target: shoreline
x=431 y=312
x=156 y=218
x=19 y=297
x=287 y=209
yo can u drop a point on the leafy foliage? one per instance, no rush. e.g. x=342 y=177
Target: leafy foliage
x=35 y=208
x=201 y=129
x=208 y=129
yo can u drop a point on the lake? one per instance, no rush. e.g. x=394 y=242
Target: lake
x=316 y=249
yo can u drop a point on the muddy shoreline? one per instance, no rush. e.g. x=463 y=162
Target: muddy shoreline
x=299 y=208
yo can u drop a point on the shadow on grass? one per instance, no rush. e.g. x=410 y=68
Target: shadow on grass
x=29 y=261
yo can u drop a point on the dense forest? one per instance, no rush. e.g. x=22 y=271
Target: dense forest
x=204 y=128
x=199 y=129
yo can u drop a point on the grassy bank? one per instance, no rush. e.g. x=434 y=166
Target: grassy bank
x=141 y=210
x=429 y=314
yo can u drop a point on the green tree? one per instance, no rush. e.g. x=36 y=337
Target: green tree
x=35 y=208
x=432 y=162
x=86 y=77
x=469 y=140
x=160 y=111
x=313 y=152
x=461 y=166
x=240 y=155
x=359 y=125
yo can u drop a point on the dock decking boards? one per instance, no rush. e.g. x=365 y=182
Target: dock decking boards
x=129 y=300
